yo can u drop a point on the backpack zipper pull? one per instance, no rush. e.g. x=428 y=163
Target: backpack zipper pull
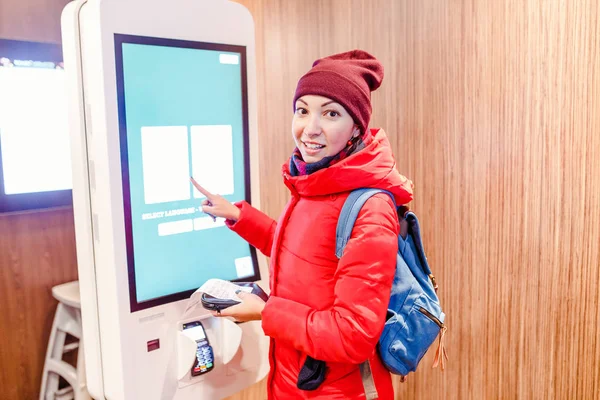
x=435 y=286
x=440 y=355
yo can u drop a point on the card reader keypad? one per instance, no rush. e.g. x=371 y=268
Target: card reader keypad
x=204 y=357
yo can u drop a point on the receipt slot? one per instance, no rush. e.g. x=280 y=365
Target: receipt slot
x=159 y=92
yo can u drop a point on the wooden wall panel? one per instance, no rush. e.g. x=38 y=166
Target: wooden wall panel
x=37 y=252
x=492 y=108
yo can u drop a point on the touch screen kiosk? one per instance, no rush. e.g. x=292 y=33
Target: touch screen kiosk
x=161 y=91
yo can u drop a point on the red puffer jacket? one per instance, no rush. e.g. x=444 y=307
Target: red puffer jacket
x=333 y=310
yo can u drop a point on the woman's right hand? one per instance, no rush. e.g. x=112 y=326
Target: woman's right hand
x=217 y=205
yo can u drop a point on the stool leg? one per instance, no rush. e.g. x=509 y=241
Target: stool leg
x=56 y=344
x=81 y=392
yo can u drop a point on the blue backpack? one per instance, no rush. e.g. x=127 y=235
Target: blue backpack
x=414 y=317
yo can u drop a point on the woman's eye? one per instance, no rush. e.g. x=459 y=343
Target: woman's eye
x=301 y=111
x=332 y=114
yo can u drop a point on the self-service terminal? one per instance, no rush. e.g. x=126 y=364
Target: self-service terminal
x=161 y=91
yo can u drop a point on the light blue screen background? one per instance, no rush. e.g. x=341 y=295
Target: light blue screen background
x=172 y=86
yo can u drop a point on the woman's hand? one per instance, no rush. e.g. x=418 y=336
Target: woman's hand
x=217 y=205
x=250 y=309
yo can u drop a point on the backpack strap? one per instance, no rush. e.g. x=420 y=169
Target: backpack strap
x=346 y=220
x=349 y=213
x=409 y=225
x=367 y=379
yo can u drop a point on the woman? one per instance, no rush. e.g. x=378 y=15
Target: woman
x=322 y=308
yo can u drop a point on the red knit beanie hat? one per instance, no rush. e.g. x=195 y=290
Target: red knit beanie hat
x=348 y=78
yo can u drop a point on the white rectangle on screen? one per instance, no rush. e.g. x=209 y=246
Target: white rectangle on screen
x=207 y=223
x=165 y=162
x=175 y=227
x=34 y=130
x=243 y=267
x=212 y=158
x=229 y=59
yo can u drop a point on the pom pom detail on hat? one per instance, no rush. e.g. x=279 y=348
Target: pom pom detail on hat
x=348 y=78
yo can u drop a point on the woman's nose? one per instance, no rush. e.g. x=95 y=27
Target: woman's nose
x=313 y=128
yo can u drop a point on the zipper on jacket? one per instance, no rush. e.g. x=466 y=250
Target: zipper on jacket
x=431 y=317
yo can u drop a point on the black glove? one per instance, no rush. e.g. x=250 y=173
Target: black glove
x=312 y=374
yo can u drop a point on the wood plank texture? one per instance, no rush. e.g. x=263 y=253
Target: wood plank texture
x=37 y=252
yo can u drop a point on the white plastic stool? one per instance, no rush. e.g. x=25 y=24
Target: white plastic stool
x=67 y=319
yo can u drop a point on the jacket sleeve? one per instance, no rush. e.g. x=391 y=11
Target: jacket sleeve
x=254 y=226
x=348 y=331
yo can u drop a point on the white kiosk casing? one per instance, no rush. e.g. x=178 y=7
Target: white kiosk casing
x=119 y=362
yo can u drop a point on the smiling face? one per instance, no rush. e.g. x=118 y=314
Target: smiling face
x=321 y=127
